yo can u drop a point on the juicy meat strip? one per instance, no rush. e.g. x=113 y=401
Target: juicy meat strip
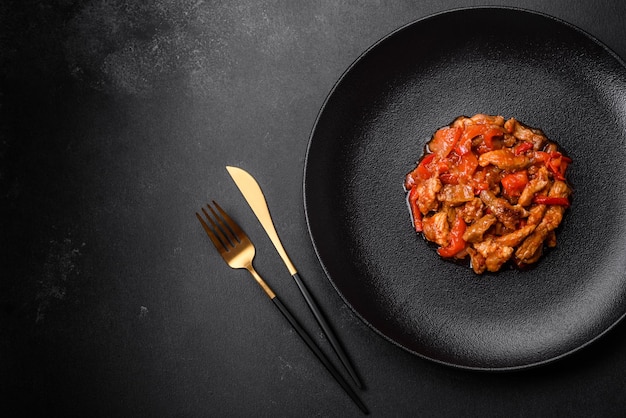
x=475 y=231
x=551 y=220
x=501 y=208
x=495 y=254
x=427 y=192
x=482 y=118
x=477 y=261
x=456 y=194
x=525 y=134
x=504 y=159
x=436 y=228
x=535 y=214
x=537 y=184
x=472 y=210
x=513 y=239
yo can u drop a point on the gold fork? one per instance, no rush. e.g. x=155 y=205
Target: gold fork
x=238 y=251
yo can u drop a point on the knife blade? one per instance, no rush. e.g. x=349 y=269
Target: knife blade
x=253 y=194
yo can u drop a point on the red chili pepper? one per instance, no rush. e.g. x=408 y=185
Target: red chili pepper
x=515 y=183
x=523 y=147
x=415 y=211
x=548 y=200
x=457 y=243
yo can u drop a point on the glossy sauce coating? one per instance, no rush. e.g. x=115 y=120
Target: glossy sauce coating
x=489 y=190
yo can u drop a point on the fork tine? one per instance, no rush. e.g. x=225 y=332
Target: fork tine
x=217 y=230
x=223 y=227
x=218 y=244
x=232 y=224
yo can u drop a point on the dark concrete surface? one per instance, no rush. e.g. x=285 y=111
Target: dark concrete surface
x=117 y=119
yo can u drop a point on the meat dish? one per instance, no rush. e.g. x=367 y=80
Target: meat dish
x=490 y=191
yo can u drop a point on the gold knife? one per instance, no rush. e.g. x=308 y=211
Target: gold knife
x=253 y=194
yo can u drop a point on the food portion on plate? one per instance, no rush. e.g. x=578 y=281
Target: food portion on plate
x=489 y=190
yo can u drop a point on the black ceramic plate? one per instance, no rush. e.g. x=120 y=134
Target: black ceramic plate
x=370 y=133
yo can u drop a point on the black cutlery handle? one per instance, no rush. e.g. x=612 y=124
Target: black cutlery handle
x=327 y=330
x=320 y=355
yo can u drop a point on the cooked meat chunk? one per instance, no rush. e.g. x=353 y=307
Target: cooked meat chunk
x=427 y=192
x=456 y=194
x=536 y=137
x=504 y=159
x=513 y=239
x=436 y=228
x=477 y=261
x=475 y=231
x=536 y=214
x=494 y=253
x=481 y=118
x=501 y=208
x=551 y=220
x=535 y=185
x=472 y=210
x=531 y=245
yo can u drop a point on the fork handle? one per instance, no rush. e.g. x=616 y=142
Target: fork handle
x=320 y=355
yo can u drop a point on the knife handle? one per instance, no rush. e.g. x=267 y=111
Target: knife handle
x=320 y=355
x=327 y=330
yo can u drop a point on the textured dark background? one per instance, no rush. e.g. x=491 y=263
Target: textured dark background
x=116 y=121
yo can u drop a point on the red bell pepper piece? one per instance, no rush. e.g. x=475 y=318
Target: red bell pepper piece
x=491 y=133
x=470 y=132
x=515 y=183
x=467 y=165
x=461 y=168
x=430 y=165
x=487 y=131
x=554 y=165
x=457 y=243
x=465 y=142
x=415 y=211
x=548 y=200
x=558 y=164
x=423 y=169
x=444 y=141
